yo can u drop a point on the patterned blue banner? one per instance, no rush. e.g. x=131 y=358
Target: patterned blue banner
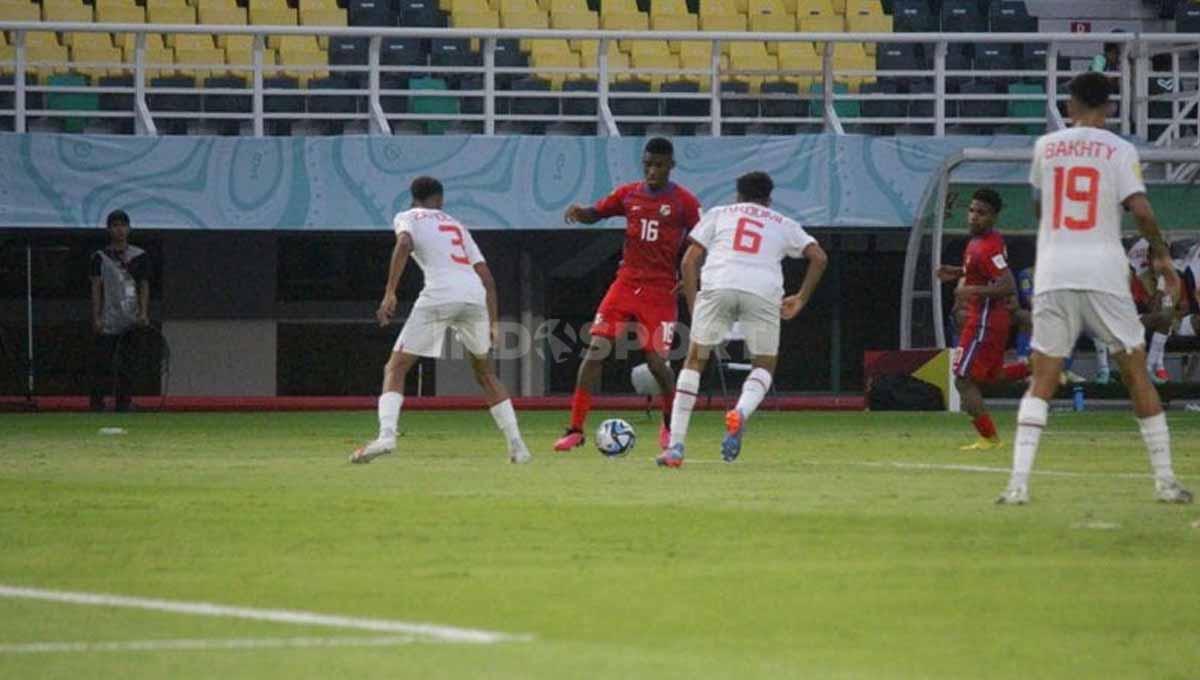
x=358 y=183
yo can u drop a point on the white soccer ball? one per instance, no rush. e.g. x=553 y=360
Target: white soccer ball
x=615 y=438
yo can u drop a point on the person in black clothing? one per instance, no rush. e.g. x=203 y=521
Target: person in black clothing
x=120 y=275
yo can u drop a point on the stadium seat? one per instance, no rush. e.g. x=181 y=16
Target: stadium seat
x=736 y=107
x=800 y=56
x=684 y=107
x=639 y=106
x=345 y=51
x=21 y=11
x=66 y=10
x=578 y=106
x=844 y=108
x=913 y=16
x=403 y=52
x=475 y=19
x=580 y=21
x=1027 y=108
x=770 y=16
x=820 y=23
x=752 y=56
x=332 y=103
x=697 y=56
x=170 y=14
x=273 y=16
x=559 y=59
x=662 y=61
x=453 y=52
x=200 y=62
x=226 y=103
x=306 y=63
x=996 y=57
x=71 y=101
x=782 y=100
x=963 y=16
x=1011 y=16
x=120 y=13
x=899 y=57
x=45 y=59
x=868 y=22
x=370 y=13
x=853 y=56
x=434 y=105
x=420 y=13
x=323 y=17
x=96 y=48
x=959 y=56
x=980 y=108
x=239 y=51
x=674 y=22
x=1187 y=17
x=893 y=108
x=812 y=7
x=533 y=106
x=222 y=16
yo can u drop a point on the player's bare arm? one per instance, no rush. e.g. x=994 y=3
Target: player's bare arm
x=400 y=254
x=1002 y=287
x=1160 y=255
x=817 y=262
x=489 y=287
x=581 y=214
x=693 y=260
x=949 y=272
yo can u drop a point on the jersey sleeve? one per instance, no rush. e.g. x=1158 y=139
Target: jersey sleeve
x=798 y=239
x=1035 y=166
x=1129 y=175
x=705 y=230
x=612 y=204
x=402 y=223
x=995 y=260
x=691 y=210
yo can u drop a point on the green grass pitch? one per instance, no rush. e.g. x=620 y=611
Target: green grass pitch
x=814 y=556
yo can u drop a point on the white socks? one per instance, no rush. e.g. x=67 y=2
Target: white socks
x=753 y=390
x=389 y=414
x=1101 y=354
x=506 y=420
x=685 y=400
x=1158 y=445
x=1031 y=420
x=1154 y=357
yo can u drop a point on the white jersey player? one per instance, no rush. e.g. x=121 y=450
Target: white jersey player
x=1082 y=177
x=459 y=295
x=741 y=246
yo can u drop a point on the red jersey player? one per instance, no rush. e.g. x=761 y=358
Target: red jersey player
x=658 y=215
x=984 y=284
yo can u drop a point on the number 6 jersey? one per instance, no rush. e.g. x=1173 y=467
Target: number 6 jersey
x=745 y=244
x=447 y=255
x=1083 y=176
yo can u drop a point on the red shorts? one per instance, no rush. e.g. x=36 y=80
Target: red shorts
x=652 y=311
x=980 y=353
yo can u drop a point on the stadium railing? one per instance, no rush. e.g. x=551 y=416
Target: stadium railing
x=941 y=108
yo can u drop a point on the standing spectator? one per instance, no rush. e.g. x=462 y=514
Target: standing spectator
x=120 y=302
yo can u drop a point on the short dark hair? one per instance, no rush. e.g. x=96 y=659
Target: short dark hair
x=1090 y=89
x=989 y=196
x=116 y=217
x=424 y=188
x=755 y=186
x=660 y=146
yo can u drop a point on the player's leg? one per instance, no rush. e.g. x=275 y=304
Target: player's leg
x=610 y=320
x=1158 y=322
x=1056 y=326
x=655 y=318
x=501 y=407
x=979 y=354
x=1115 y=319
x=100 y=369
x=686 y=389
x=759 y=318
x=665 y=377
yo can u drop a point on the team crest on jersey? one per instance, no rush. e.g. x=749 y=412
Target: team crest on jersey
x=664 y=210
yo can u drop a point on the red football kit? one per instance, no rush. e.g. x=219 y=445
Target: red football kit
x=984 y=336
x=656 y=224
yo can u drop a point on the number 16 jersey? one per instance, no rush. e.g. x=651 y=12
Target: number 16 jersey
x=447 y=255
x=656 y=223
x=1083 y=176
x=745 y=244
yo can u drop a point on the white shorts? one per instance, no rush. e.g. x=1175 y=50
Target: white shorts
x=1060 y=316
x=718 y=309
x=424 y=331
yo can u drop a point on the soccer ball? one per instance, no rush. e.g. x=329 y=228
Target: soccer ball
x=615 y=438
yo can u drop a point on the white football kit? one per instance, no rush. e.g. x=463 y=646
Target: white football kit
x=742 y=280
x=1083 y=176
x=453 y=296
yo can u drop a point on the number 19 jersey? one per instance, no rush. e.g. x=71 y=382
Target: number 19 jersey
x=447 y=255
x=746 y=243
x=1083 y=176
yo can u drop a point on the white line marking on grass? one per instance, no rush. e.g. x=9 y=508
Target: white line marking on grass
x=947 y=467
x=427 y=630
x=204 y=645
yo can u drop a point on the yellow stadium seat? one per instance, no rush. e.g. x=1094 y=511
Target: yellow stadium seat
x=308 y=63
x=674 y=22
x=799 y=56
x=852 y=56
x=640 y=49
x=241 y=53
x=714 y=7
x=869 y=23
x=864 y=7
x=170 y=14
x=618 y=64
x=518 y=6
x=697 y=56
x=821 y=24
x=193 y=41
x=323 y=17
x=625 y=21
x=267 y=4
x=121 y=14
x=66 y=10
x=105 y=58
x=127 y=41
x=110 y=4
x=556 y=6
x=88 y=40
x=757 y=62
x=273 y=17
x=200 y=63
x=481 y=19
x=297 y=43
x=21 y=11
x=815 y=8
x=663 y=61
x=222 y=16
x=45 y=59
x=668 y=8
x=553 y=59
x=536 y=19
x=582 y=21
x=202 y=5
x=772 y=23
x=306 y=5
x=618 y=7
x=839 y=6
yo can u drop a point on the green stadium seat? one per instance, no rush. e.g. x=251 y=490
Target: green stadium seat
x=1027 y=109
x=72 y=101
x=437 y=105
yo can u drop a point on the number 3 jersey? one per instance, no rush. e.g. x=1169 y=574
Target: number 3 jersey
x=447 y=255
x=1083 y=176
x=745 y=244
x=656 y=222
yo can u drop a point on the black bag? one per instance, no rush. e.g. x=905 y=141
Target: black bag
x=904 y=393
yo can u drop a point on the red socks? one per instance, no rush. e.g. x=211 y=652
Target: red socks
x=581 y=403
x=668 y=403
x=1016 y=371
x=984 y=426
